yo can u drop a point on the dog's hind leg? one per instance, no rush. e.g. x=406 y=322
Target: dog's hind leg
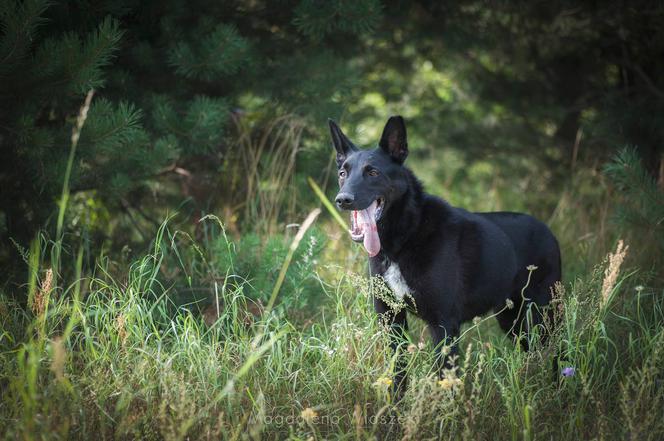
x=520 y=322
x=530 y=306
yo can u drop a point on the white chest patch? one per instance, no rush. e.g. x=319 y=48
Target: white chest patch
x=396 y=282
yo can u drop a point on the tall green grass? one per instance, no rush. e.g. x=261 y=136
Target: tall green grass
x=114 y=358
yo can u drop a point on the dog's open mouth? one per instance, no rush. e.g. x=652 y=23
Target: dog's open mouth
x=363 y=226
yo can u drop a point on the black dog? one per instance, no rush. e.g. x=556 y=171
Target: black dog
x=453 y=264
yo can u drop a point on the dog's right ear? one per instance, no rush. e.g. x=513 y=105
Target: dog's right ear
x=394 y=139
x=342 y=144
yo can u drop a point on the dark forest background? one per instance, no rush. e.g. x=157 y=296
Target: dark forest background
x=200 y=106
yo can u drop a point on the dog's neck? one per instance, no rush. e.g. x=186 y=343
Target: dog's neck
x=402 y=219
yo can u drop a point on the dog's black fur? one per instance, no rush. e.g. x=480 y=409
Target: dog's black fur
x=457 y=264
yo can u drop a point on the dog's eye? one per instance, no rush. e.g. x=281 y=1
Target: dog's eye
x=372 y=172
x=342 y=173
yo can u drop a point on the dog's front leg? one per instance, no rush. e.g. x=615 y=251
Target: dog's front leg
x=443 y=336
x=397 y=325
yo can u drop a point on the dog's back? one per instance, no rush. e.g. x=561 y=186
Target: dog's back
x=534 y=244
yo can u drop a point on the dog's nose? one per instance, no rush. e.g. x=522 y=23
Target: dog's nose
x=344 y=200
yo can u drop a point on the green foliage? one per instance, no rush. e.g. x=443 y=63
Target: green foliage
x=639 y=209
x=167 y=93
x=318 y=19
x=198 y=129
x=73 y=64
x=643 y=205
x=256 y=264
x=517 y=95
x=44 y=78
x=216 y=52
x=20 y=21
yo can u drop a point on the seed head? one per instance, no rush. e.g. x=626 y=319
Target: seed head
x=309 y=415
x=612 y=271
x=41 y=296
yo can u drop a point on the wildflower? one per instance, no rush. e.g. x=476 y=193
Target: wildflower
x=411 y=348
x=445 y=383
x=449 y=383
x=421 y=345
x=639 y=288
x=477 y=320
x=509 y=303
x=568 y=372
x=309 y=415
x=531 y=267
x=383 y=382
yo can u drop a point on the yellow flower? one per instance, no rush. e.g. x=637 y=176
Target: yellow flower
x=309 y=415
x=383 y=382
x=448 y=383
x=445 y=383
x=412 y=348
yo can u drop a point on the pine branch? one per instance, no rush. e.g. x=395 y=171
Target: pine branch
x=317 y=19
x=18 y=25
x=74 y=64
x=644 y=202
x=222 y=52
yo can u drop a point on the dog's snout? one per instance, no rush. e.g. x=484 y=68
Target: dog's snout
x=344 y=200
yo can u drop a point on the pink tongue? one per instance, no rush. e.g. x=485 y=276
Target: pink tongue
x=367 y=222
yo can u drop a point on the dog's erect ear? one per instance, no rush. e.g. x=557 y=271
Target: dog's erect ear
x=393 y=140
x=342 y=144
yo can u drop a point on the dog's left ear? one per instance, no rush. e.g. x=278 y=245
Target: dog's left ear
x=342 y=144
x=393 y=140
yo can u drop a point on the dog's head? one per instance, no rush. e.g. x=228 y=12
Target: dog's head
x=370 y=180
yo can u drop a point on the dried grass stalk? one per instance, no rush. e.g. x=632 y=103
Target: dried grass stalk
x=613 y=270
x=41 y=297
